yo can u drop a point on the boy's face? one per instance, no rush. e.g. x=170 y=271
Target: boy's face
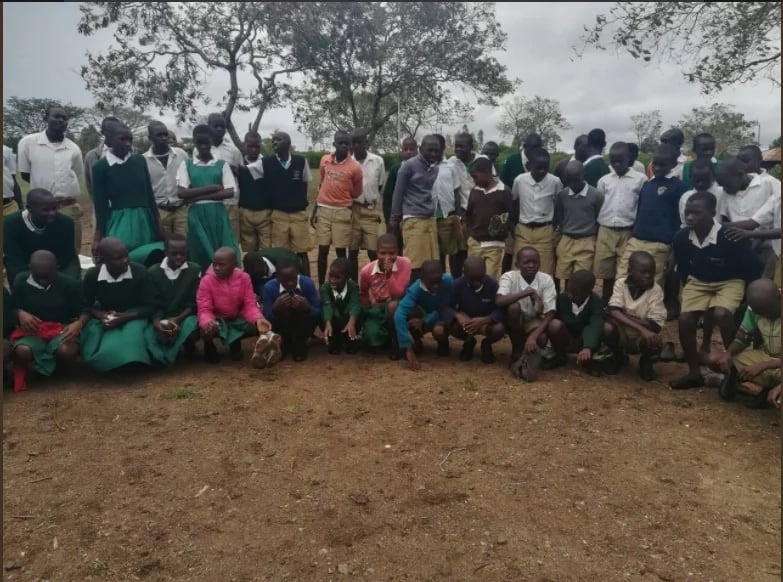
x=730 y=181
x=280 y=143
x=697 y=215
x=704 y=147
x=538 y=169
x=203 y=146
x=702 y=179
x=176 y=253
x=337 y=279
x=430 y=151
x=575 y=181
x=57 y=121
x=159 y=138
x=121 y=143
x=116 y=261
x=620 y=161
x=481 y=179
x=218 y=126
x=751 y=162
x=408 y=150
x=492 y=152
x=475 y=276
x=172 y=138
x=252 y=149
x=342 y=144
x=462 y=147
x=359 y=145
x=662 y=166
x=528 y=263
x=288 y=278
x=44 y=211
x=44 y=275
x=433 y=281
x=223 y=265
x=576 y=294
x=642 y=272
x=580 y=149
x=387 y=254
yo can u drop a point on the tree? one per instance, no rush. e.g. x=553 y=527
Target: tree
x=22 y=117
x=729 y=128
x=775 y=143
x=647 y=127
x=166 y=51
x=539 y=115
x=717 y=44
x=370 y=60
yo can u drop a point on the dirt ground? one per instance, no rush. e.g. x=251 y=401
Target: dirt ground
x=352 y=467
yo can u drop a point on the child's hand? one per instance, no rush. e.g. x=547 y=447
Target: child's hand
x=755 y=370
x=300 y=303
x=531 y=344
x=462 y=320
x=774 y=396
x=723 y=361
x=72 y=330
x=584 y=356
x=734 y=233
x=653 y=340
x=328 y=331
x=28 y=321
x=282 y=302
x=263 y=325
x=350 y=329
x=211 y=330
x=413 y=363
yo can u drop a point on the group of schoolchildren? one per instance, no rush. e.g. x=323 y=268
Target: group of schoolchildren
x=683 y=238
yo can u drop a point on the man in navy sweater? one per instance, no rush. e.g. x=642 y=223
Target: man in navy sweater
x=713 y=270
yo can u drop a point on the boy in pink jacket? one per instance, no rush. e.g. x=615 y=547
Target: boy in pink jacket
x=227 y=309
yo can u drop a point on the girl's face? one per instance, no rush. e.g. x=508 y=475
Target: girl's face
x=337 y=279
x=203 y=146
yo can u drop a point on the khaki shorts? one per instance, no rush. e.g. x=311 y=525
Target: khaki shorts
x=74 y=212
x=493 y=257
x=449 y=234
x=365 y=225
x=174 y=221
x=609 y=246
x=420 y=240
x=255 y=229
x=542 y=239
x=10 y=208
x=333 y=227
x=574 y=254
x=749 y=357
x=291 y=230
x=233 y=217
x=659 y=251
x=700 y=296
x=630 y=338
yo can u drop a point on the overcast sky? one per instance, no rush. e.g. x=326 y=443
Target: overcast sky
x=602 y=90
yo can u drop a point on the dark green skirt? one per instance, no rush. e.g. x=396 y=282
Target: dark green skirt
x=104 y=349
x=136 y=228
x=166 y=354
x=208 y=230
x=236 y=329
x=375 y=326
x=44 y=360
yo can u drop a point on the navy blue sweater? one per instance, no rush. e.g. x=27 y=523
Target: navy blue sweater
x=658 y=214
x=716 y=262
x=472 y=303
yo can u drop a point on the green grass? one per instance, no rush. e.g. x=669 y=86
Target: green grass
x=471 y=384
x=682 y=402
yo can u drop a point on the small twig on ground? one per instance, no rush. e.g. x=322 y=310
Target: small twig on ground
x=446 y=458
x=481 y=567
x=41 y=479
x=25 y=516
x=202 y=491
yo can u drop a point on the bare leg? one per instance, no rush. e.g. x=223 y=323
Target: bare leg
x=694 y=378
x=323 y=257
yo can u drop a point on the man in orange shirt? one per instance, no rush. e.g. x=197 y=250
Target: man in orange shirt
x=341 y=183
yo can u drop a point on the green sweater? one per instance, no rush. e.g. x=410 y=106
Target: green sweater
x=19 y=242
x=132 y=295
x=334 y=309
x=62 y=302
x=173 y=297
x=595 y=170
x=121 y=186
x=589 y=324
x=512 y=168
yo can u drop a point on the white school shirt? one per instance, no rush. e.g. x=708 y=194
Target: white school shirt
x=769 y=216
x=230 y=154
x=9 y=171
x=183 y=179
x=57 y=167
x=720 y=198
x=743 y=205
x=536 y=199
x=466 y=183
x=445 y=185
x=710 y=239
x=512 y=282
x=164 y=180
x=621 y=198
x=373 y=173
x=257 y=168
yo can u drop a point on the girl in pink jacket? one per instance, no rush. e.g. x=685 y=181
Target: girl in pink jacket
x=227 y=309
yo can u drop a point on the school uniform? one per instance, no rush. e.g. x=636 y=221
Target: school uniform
x=132 y=291
x=366 y=212
x=209 y=227
x=414 y=201
x=172 y=210
x=657 y=221
x=229 y=153
x=715 y=190
x=446 y=191
x=58 y=168
x=535 y=229
x=388 y=191
x=682 y=159
x=687 y=168
x=229 y=302
x=585 y=322
x=513 y=167
x=768 y=216
x=644 y=304
x=466 y=185
x=419 y=300
x=21 y=238
x=615 y=220
x=595 y=168
x=174 y=291
x=543 y=284
x=713 y=271
x=9 y=174
x=742 y=205
x=376 y=290
x=295 y=327
x=60 y=303
x=341 y=183
x=286 y=182
x=473 y=303
x=576 y=218
x=255 y=207
x=338 y=306
x=125 y=206
x=769 y=329
x=484 y=206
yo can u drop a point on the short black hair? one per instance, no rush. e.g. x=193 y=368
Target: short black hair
x=431 y=267
x=441 y=140
x=538 y=155
x=596 y=138
x=464 y=135
x=111 y=120
x=620 y=146
x=252 y=135
x=702 y=164
x=582 y=280
x=387 y=239
x=408 y=139
x=203 y=129
x=675 y=134
x=176 y=237
x=638 y=256
x=492 y=143
x=252 y=258
x=755 y=150
x=49 y=107
x=216 y=116
x=707 y=197
x=527 y=250
x=701 y=136
x=359 y=132
x=481 y=164
x=667 y=151
x=533 y=138
x=342 y=265
x=342 y=133
x=285 y=264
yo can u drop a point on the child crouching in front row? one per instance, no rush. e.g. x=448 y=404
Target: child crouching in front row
x=341 y=307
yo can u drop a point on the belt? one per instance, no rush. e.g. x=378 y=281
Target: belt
x=617 y=227
x=170 y=206
x=367 y=205
x=63 y=202
x=7 y=201
x=578 y=236
x=538 y=224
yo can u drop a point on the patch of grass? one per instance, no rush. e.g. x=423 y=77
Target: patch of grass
x=295 y=407
x=471 y=384
x=682 y=402
x=183 y=394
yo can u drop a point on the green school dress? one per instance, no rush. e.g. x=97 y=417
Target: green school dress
x=104 y=349
x=172 y=297
x=208 y=225
x=125 y=207
x=62 y=302
x=375 y=325
x=339 y=310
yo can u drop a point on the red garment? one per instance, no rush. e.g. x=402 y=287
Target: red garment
x=226 y=298
x=47 y=330
x=376 y=288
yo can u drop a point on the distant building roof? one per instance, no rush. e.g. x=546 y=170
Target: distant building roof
x=772 y=155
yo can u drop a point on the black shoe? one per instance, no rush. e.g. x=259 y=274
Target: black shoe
x=466 y=354
x=728 y=388
x=211 y=354
x=443 y=348
x=646 y=371
x=351 y=347
x=335 y=346
x=235 y=351
x=300 y=351
x=486 y=352
x=395 y=354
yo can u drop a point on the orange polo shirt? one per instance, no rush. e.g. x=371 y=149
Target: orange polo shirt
x=341 y=182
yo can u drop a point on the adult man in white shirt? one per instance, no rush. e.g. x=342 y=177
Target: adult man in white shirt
x=620 y=187
x=51 y=161
x=12 y=195
x=163 y=162
x=366 y=210
x=224 y=149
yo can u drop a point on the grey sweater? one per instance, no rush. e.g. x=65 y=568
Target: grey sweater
x=413 y=191
x=576 y=215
